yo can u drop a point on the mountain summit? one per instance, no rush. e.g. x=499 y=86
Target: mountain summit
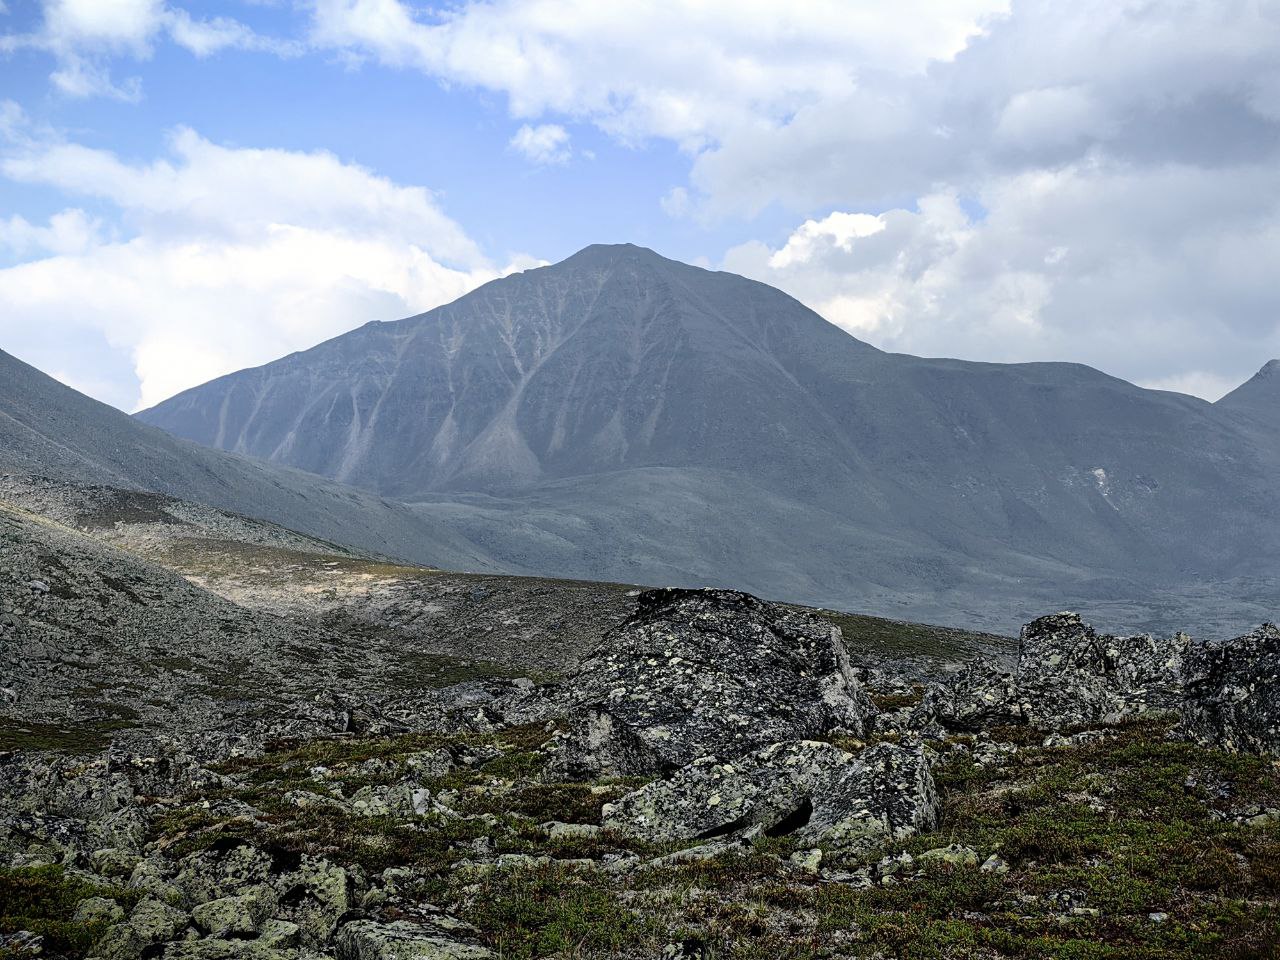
x=1259 y=395
x=614 y=358
x=621 y=415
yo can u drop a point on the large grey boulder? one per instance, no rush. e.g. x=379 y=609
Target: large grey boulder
x=819 y=793
x=1069 y=675
x=1233 y=693
x=698 y=673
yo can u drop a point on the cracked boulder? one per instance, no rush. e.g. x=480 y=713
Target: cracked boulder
x=1068 y=675
x=816 y=792
x=698 y=673
x=1233 y=693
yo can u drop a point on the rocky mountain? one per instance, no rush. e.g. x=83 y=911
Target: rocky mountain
x=623 y=416
x=47 y=429
x=1258 y=396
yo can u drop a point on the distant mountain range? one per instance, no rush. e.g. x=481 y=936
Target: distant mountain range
x=626 y=417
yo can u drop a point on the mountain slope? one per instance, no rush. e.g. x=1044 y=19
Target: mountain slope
x=48 y=429
x=1259 y=396
x=563 y=414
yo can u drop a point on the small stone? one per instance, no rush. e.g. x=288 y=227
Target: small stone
x=994 y=864
x=955 y=855
x=401 y=940
x=810 y=861
x=559 y=831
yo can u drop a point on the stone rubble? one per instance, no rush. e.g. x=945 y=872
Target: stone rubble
x=748 y=720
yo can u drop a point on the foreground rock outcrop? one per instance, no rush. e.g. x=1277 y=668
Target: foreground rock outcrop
x=817 y=793
x=720 y=778
x=1232 y=693
x=697 y=673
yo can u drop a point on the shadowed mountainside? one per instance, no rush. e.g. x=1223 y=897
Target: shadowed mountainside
x=48 y=429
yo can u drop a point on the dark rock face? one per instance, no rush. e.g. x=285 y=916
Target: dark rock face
x=1233 y=693
x=699 y=673
x=1069 y=675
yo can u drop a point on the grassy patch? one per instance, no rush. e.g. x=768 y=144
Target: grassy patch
x=900 y=638
x=86 y=737
x=553 y=910
x=43 y=900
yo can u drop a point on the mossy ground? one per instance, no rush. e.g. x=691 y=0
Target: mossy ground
x=42 y=900
x=1098 y=838
x=85 y=737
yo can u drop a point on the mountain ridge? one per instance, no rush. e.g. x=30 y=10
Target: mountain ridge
x=48 y=429
x=558 y=417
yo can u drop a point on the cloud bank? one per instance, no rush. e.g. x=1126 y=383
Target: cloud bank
x=232 y=257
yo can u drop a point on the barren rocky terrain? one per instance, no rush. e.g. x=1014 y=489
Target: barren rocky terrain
x=222 y=740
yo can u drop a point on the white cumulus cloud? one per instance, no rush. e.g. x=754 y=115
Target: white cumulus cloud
x=231 y=258
x=546 y=143
x=84 y=36
x=1163 y=277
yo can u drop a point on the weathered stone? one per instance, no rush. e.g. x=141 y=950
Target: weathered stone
x=1233 y=693
x=279 y=934
x=401 y=940
x=315 y=896
x=815 y=791
x=113 y=862
x=240 y=916
x=955 y=855
x=888 y=794
x=975 y=698
x=559 y=831
x=98 y=910
x=700 y=673
x=1068 y=675
x=22 y=943
x=227 y=950
x=152 y=922
x=156 y=921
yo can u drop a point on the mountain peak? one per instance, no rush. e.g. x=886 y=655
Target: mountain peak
x=613 y=252
x=1260 y=394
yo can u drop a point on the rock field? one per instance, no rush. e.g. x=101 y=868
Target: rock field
x=218 y=763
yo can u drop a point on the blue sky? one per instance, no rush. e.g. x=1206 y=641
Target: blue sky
x=188 y=187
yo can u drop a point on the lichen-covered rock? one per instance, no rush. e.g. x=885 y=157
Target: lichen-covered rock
x=1068 y=675
x=101 y=910
x=229 y=950
x=815 y=791
x=152 y=922
x=975 y=698
x=402 y=940
x=240 y=916
x=698 y=673
x=1233 y=693
x=315 y=896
